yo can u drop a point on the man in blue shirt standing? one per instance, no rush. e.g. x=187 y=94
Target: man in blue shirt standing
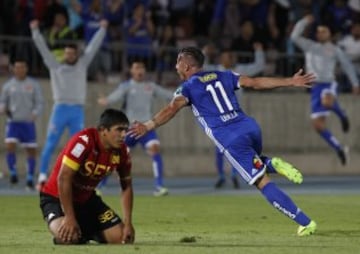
x=211 y=95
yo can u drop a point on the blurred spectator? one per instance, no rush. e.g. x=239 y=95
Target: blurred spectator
x=166 y=55
x=300 y=8
x=59 y=35
x=73 y=8
x=160 y=14
x=244 y=42
x=180 y=9
x=202 y=17
x=355 y=8
x=231 y=25
x=351 y=45
x=337 y=15
x=115 y=13
x=278 y=20
x=92 y=15
x=139 y=31
x=54 y=7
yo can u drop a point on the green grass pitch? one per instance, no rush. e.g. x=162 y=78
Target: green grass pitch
x=199 y=224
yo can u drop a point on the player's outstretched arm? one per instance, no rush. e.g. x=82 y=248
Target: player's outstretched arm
x=163 y=116
x=298 y=80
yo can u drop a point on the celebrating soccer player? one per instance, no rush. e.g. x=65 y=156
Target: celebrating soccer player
x=211 y=95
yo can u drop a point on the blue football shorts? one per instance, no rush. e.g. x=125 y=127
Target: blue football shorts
x=241 y=143
x=23 y=132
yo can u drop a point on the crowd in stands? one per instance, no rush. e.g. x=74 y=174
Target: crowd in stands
x=154 y=29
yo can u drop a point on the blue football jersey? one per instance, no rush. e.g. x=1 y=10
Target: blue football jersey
x=211 y=94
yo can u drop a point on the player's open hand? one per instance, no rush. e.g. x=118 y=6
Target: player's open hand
x=303 y=80
x=34 y=24
x=137 y=130
x=104 y=23
x=102 y=101
x=69 y=231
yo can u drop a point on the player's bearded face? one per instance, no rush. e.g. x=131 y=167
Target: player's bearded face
x=323 y=34
x=70 y=55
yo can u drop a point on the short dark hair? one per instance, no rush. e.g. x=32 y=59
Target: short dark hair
x=111 y=117
x=19 y=59
x=71 y=45
x=195 y=53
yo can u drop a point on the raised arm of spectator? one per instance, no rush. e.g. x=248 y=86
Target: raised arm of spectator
x=257 y=66
x=48 y=57
x=95 y=43
x=296 y=34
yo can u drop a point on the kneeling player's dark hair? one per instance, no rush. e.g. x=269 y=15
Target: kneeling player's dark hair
x=111 y=117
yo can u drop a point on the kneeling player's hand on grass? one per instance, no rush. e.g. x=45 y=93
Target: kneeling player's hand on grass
x=69 y=231
x=128 y=234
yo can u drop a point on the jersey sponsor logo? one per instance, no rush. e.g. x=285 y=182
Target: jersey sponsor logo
x=108 y=215
x=208 y=77
x=85 y=138
x=283 y=210
x=78 y=150
x=94 y=170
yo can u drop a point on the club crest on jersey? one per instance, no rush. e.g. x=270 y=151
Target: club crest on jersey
x=257 y=162
x=178 y=91
x=115 y=159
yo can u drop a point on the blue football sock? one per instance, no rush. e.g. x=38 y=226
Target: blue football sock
x=330 y=139
x=234 y=172
x=338 y=111
x=103 y=182
x=284 y=204
x=158 y=169
x=11 y=162
x=31 y=163
x=219 y=162
x=269 y=167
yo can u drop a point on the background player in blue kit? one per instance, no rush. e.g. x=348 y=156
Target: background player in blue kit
x=137 y=95
x=22 y=101
x=211 y=95
x=321 y=59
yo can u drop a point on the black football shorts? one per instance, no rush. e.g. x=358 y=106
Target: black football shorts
x=93 y=216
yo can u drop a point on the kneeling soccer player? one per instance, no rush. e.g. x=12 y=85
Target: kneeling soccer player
x=73 y=211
